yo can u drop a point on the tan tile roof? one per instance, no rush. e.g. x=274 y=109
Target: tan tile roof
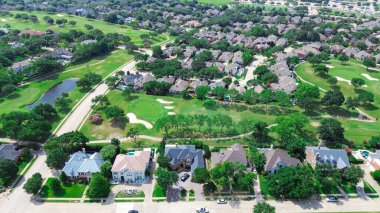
x=133 y=163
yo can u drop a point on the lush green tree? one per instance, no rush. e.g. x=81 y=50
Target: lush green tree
x=163 y=161
x=43 y=66
x=357 y=82
x=25 y=155
x=202 y=91
x=209 y=187
x=290 y=126
x=63 y=177
x=257 y=159
x=201 y=175
x=109 y=152
x=352 y=103
x=99 y=187
x=321 y=70
x=343 y=58
x=291 y=182
x=374 y=142
x=307 y=96
x=115 y=113
x=262 y=207
x=369 y=63
x=283 y=98
x=157 y=52
x=63 y=102
x=105 y=169
x=131 y=47
x=115 y=141
x=33 y=184
x=111 y=81
x=332 y=81
x=55 y=185
x=127 y=92
x=72 y=23
x=157 y=88
x=333 y=98
x=331 y=131
x=353 y=175
x=8 y=170
x=366 y=97
x=56 y=159
x=89 y=80
x=261 y=132
x=69 y=142
x=165 y=178
x=376 y=175
x=45 y=110
x=220 y=92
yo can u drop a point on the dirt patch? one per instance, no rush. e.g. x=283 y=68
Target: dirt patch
x=315 y=124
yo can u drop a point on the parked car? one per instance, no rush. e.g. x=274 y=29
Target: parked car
x=133 y=211
x=221 y=201
x=332 y=199
x=202 y=210
x=185 y=177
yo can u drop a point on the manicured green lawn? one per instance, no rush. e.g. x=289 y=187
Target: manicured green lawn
x=368 y=188
x=355 y=130
x=158 y=191
x=22 y=166
x=81 y=22
x=147 y=108
x=69 y=190
x=263 y=185
x=121 y=195
x=319 y=189
x=349 y=189
x=215 y=2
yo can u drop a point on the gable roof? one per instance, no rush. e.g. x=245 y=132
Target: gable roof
x=334 y=157
x=176 y=153
x=83 y=162
x=273 y=157
x=234 y=154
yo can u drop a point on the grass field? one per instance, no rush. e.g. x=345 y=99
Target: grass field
x=158 y=191
x=368 y=188
x=263 y=185
x=70 y=190
x=30 y=93
x=81 y=22
x=121 y=195
x=147 y=108
x=347 y=71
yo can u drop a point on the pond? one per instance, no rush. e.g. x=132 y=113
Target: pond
x=55 y=92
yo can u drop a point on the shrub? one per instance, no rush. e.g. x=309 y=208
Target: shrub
x=376 y=175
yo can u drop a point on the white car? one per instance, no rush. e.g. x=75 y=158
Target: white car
x=221 y=201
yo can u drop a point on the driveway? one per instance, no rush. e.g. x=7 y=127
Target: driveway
x=257 y=60
x=188 y=185
x=367 y=177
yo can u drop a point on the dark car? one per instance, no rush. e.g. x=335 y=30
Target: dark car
x=133 y=211
x=185 y=177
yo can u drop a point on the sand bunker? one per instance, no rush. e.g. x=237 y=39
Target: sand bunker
x=3 y=20
x=315 y=124
x=164 y=102
x=344 y=80
x=329 y=66
x=133 y=120
x=171 y=113
x=60 y=15
x=169 y=107
x=370 y=78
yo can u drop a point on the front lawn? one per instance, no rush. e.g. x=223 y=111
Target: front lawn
x=125 y=195
x=69 y=190
x=263 y=185
x=348 y=188
x=159 y=191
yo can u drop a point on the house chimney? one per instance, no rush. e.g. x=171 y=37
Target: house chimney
x=84 y=150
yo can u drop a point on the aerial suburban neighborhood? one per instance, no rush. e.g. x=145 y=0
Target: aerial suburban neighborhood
x=190 y=106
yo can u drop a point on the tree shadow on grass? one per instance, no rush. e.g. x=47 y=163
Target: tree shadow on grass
x=13 y=96
x=370 y=107
x=120 y=123
x=337 y=111
x=132 y=98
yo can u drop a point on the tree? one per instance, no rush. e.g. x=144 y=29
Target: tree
x=202 y=91
x=366 y=97
x=283 y=98
x=357 y=82
x=115 y=112
x=69 y=142
x=63 y=177
x=201 y=175
x=296 y=147
x=220 y=92
x=8 y=170
x=89 y=80
x=163 y=161
x=165 y=178
x=376 y=175
x=131 y=47
x=156 y=88
x=55 y=185
x=56 y=159
x=331 y=131
x=127 y=92
x=369 y=63
x=209 y=187
x=165 y=124
x=111 y=81
x=261 y=132
x=99 y=187
x=333 y=98
x=307 y=96
x=291 y=182
x=105 y=169
x=157 y=52
x=332 y=81
x=263 y=207
x=45 y=110
x=343 y=58
x=108 y=152
x=72 y=23
x=33 y=184
x=25 y=155
x=115 y=141
x=321 y=70
x=353 y=175
x=352 y=103
x=257 y=159
x=62 y=103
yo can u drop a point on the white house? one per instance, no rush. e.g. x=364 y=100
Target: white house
x=131 y=167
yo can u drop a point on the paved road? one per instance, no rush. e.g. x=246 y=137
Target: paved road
x=74 y=119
